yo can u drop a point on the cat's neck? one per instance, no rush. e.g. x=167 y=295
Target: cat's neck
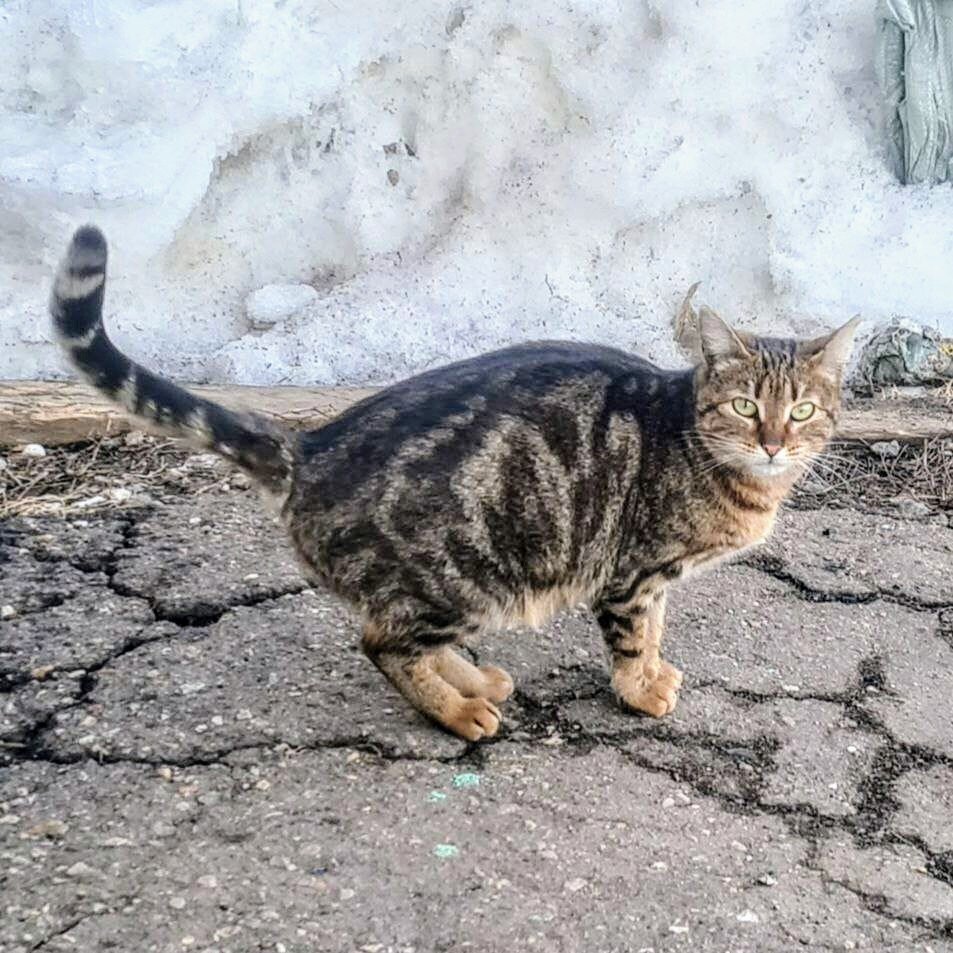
x=751 y=492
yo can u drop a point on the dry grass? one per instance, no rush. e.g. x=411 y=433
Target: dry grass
x=852 y=474
x=109 y=472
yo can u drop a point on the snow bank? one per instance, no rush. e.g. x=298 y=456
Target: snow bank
x=449 y=178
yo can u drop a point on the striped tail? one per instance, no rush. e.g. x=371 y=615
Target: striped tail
x=263 y=451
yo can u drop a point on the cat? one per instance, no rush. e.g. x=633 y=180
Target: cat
x=503 y=488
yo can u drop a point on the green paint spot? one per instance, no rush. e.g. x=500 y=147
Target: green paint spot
x=466 y=781
x=445 y=851
x=435 y=797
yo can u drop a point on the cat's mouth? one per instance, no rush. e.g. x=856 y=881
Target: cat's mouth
x=767 y=467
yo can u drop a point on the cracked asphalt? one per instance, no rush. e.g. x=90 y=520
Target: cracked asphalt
x=194 y=755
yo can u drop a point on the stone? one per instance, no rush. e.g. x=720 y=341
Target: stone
x=886 y=448
x=273 y=304
x=913 y=509
x=52 y=829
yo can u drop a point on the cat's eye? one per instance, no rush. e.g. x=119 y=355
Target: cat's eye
x=802 y=412
x=744 y=407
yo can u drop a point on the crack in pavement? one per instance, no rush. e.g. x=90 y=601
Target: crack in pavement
x=774 y=567
x=876 y=808
x=199 y=615
x=732 y=771
x=75 y=921
x=879 y=904
x=804 y=821
x=870 y=826
x=106 y=564
x=219 y=756
x=945 y=627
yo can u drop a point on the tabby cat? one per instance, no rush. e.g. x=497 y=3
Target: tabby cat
x=503 y=488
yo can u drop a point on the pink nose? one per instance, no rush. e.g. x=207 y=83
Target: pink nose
x=772 y=449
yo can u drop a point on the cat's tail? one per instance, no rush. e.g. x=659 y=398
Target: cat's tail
x=262 y=450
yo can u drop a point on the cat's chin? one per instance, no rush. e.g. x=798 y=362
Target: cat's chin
x=769 y=470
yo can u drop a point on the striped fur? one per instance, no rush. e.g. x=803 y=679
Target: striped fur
x=263 y=451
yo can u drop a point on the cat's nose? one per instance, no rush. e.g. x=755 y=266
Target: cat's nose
x=772 y=449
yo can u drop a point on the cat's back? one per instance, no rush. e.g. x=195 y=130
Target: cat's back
x=547 y=384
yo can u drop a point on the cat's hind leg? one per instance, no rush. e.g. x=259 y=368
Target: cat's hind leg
x=418 y=673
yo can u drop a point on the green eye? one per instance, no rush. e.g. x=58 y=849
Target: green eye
x=744 y=407
x=803 y=411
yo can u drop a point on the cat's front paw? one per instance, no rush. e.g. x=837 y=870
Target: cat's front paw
x=656 y=696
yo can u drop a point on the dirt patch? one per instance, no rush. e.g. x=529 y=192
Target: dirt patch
x=135 y=469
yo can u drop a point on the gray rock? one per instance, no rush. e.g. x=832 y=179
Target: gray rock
x=886 y=448
x=913 y=509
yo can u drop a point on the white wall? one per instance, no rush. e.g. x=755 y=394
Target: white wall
x=449 y=178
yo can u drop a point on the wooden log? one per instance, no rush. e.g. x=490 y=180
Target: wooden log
x=904 y=419
x=58 y=412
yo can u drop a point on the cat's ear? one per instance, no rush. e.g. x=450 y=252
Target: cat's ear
x=685 y=327
x=719 y=342
x=832 y=351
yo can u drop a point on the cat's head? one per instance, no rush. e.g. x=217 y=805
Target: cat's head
x=766 y=407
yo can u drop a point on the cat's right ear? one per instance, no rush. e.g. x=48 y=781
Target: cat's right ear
x=718 y=341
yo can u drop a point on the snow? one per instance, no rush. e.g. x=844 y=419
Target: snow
x=449 y=179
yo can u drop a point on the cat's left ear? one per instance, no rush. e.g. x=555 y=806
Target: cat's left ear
x=831 y=352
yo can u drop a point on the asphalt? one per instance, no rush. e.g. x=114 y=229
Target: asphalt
x=195 y=756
